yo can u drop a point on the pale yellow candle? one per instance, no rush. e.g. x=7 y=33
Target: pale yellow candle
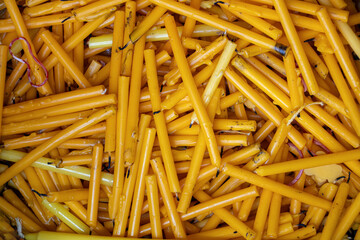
x=217 y=75
x=64 y=215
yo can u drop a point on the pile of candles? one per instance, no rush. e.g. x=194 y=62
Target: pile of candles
x=179 y=119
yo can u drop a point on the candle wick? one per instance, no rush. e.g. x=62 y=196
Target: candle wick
x=27 y=64
x=122 y=48
x=297 y=113
x=109 y=162
x=40 y=194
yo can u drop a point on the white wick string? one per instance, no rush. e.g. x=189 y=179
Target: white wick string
x=300 y=109
x=19 y=227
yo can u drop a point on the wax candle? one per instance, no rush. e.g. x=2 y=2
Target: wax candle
x=145 y=155
x=119 y=168
x=160 y=120
x=94 y=186
x=64 y=215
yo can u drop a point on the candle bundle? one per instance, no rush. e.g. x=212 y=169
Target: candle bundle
x=179 y=119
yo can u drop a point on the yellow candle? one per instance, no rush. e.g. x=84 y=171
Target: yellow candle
x=92 y=69
x=196 y=160
x=273 y=76
x=197 y=59
x=333 y=123
x=160 y=120
x=74 y=40
x=305 y=232
x=37 y=139
x=338 y=3
x=89 y=9
x=209 y=204
x=311 y=8
x=35 y=184
x=227 y=217
x=233 y=183
x=191 y=89
x=276 y=187
x=147 y=23
x=37 y=124
x=335 y=211
x=293 y=165
x=176 y=224
x=79 y=49
x=261 y=81
x=50 y=8
x=119 y=168
x=115 y=53
x=190 y=23
x=221 y=140
x=94 y=186
x=3 y=61
x=11 y=196
x=343 y=90
x=274 y=211
x=64 y=215
x=65 y=60
x=258 y=23
x=279 y=138
x=79 y=210
x=264 y=105
x=340 y=52
x=333 y=102
x=315 y=61
x=54 y=142
x=70 y=195
x=153 y=198
x=138 y=199
x=218 y=73
x=252 y=51
x=75 y=106
x=134 y=96
x=121 y=219
x=53 y=100
x=101 y=76
x=233 y=29
x=130 y=20
x=270 y=14
x=13 y=212
x=31 y=23
x=64 y=228
x=31 y=200
x=262 y=212
x=347 y=220
x=354 y=19
x=44 y=235
x=294 y=40
x=294 y=83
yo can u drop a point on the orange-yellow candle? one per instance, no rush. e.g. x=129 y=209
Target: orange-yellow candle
x=160 y=120
x=65 y=60
x=3 y=61
x=169 y=202
x=94 y=187
x=154 y=211
x=135 y=215
x=191 y=89
x=54 y=142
